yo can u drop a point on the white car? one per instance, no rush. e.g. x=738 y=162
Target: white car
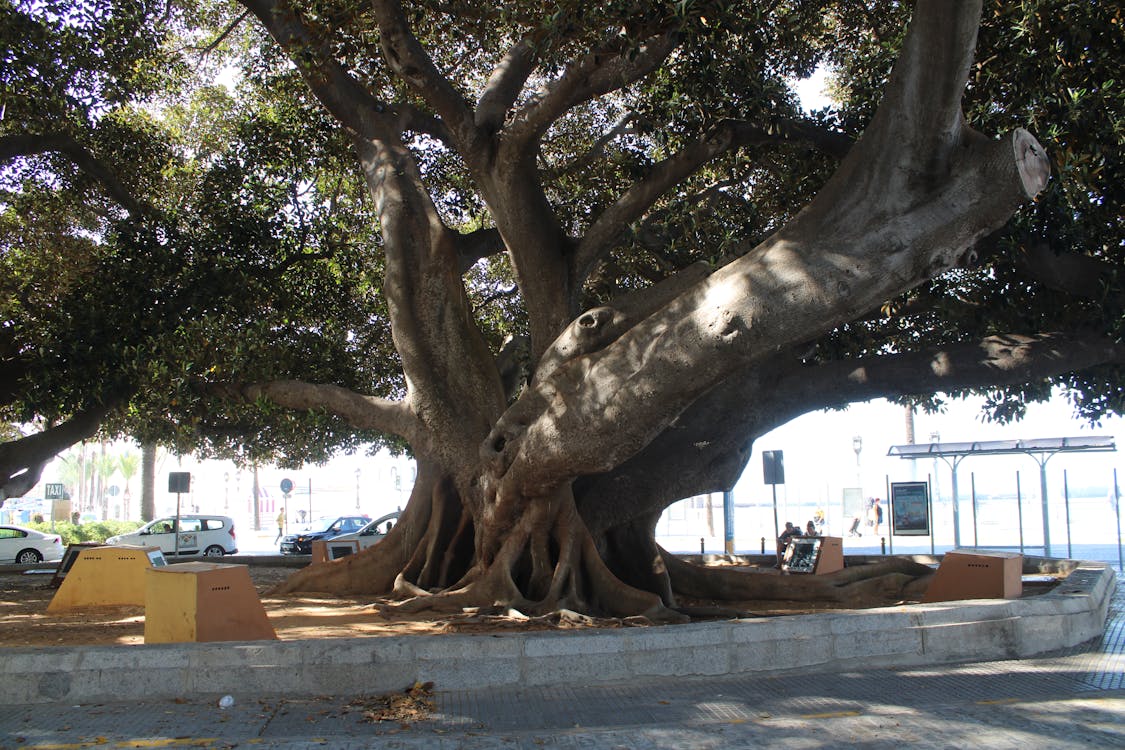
x=209 y=536
x=372 y=532
x=28 y=546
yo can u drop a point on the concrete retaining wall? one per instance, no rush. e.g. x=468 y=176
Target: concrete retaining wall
x=1073 y=613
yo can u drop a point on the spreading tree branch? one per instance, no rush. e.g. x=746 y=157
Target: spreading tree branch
x=214 y=43
x=482 y=243
x=1072 y=273
x=20 y=459
x=340 y=93
x=596 y=73
x=360 y=411
x=504 y=86
x=707 y=447
x=407 y=58
x=725 y=137
x=12 y=146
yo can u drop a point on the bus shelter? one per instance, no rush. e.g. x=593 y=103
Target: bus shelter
x=1040 y=449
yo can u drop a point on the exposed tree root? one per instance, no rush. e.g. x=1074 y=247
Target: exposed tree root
x=891 y=580
x=537 y=556
x=545 y=562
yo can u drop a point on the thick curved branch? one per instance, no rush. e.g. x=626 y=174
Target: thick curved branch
x=482 y=243
x=363 y=412
x=419 y=120
x=912 y=143
x=819 y=274
x=330 y=82
x=27 y=456
x=504 y=86
x=12 y=146
x=706 y=448
x=1072 y=273
x=595 y=74
x=408 y=59
x=444 y=356
x=21 y=484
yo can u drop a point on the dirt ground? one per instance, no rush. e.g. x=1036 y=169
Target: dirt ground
x=24 y=620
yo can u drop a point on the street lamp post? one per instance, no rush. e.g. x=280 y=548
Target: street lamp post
x=935 y=438
x=857 y=446
x=357 y=489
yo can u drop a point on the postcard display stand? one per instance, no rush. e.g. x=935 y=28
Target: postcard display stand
x=327 y=551
x=814 y=554
x=976 y=574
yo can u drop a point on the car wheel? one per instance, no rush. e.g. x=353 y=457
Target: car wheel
x=213 y=551
x=28 y=557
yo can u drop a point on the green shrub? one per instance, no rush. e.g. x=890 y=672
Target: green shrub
x=95 y=531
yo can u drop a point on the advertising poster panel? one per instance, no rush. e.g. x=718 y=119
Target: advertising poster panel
x=910 y=509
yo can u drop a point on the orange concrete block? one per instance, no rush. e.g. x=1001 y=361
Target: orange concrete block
x=831 y=555
x=977 y=574
x=198 y=602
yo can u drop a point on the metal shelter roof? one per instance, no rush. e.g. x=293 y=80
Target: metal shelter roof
x=1002 y=447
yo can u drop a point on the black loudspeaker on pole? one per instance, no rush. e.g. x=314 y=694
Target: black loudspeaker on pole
x=773 y=467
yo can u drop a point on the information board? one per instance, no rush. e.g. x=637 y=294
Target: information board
x=910 y=509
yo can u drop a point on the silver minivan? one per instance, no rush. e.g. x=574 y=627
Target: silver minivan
x=209 y=536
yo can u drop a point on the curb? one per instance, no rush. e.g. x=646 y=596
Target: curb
x=1072 y=613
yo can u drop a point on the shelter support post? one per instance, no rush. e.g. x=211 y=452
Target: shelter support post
x=728 y=522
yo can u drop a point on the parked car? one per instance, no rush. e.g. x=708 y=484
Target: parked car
x=209 y=536
x=28 y=546
x=322 y=528
x=373 y=532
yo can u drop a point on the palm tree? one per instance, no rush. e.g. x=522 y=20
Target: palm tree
x=128 y=463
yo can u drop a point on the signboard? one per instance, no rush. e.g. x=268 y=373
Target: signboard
x=54 y=491
x=286 y=486
x=773 y=467
x=179 y=481
x=910 y=509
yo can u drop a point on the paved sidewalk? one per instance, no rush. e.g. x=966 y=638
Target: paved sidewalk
x=1066 y=700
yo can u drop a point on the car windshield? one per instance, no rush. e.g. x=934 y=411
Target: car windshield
x=322 y=524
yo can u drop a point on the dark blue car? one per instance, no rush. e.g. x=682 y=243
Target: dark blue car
x=323 y=528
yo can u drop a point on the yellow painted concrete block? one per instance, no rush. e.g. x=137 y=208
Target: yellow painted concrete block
x=106 y=576
x=196 y=602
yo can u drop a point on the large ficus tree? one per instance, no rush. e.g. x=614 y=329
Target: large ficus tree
x=610 y=251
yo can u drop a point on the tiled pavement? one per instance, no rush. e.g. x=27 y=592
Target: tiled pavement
x=1066 y=700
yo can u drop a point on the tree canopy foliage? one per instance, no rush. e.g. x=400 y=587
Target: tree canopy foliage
x=389 y=225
